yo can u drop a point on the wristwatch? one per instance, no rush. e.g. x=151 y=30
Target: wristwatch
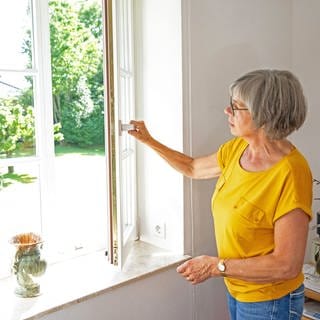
x=221 y=266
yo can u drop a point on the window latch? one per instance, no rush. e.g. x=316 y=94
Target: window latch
x=125 y=127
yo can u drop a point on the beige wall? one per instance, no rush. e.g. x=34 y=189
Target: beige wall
x=305 y=61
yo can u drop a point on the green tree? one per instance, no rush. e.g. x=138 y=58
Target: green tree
x=76 y=67
x=16 y=128
x=77 y=71
x=90 y=14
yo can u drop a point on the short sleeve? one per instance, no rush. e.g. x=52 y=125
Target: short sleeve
x=229 y=150
x=297 y=190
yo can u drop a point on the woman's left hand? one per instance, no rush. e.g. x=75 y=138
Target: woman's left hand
x=199 y=269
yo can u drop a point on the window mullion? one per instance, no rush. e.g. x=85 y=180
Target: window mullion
x=43 y=107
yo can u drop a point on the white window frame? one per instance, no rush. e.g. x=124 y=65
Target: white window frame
x=44 y=126
x=121 y=108
x=41 y=71
x=44 y=143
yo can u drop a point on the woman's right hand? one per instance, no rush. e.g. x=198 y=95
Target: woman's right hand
x=197 y=168
x=140 y=131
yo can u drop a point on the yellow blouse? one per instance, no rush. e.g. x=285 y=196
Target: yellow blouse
x=245 y=206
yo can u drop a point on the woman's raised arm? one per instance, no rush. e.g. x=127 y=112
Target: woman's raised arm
x=197 y=168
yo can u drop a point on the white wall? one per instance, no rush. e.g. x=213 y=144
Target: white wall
x=221 y=40
x=159 y=104
x=305 y=59
x=227 y=39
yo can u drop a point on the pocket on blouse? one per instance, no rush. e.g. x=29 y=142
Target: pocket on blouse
x=249 y=211
x=251 y=229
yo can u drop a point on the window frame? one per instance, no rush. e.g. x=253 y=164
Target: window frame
x=118 y=36
x=44 y=143
x=40 y=72
x=119 y=41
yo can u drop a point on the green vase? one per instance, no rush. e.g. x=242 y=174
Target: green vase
x=28 y=265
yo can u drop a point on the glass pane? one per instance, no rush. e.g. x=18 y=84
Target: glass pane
x=127 y=154
x=19 y=206
x=17 y=135
x=78 y=108
x=81 y=201
x=127 y=188
x=15 y=34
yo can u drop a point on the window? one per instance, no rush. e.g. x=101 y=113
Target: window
x=121 y=110
x=61 y=188
x=22 y=117
x=55 y=171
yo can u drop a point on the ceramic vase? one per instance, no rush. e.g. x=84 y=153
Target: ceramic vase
x=28 y=264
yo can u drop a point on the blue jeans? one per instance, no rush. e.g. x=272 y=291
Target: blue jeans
x=289 y=307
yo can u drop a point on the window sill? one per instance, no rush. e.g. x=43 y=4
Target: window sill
x=82 y=278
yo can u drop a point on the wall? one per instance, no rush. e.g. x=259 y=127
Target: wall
x=221 y=40
x=151 y=298
x=305 y=61
x=159 y=104
x=227 y=38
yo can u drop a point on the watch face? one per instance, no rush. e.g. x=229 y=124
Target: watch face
x=221 y=266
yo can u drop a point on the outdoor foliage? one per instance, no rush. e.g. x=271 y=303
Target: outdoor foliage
x=77 y=82
x=77 y=71
x=16 y=127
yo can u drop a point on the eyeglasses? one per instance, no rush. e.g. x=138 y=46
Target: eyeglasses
x=234 y=107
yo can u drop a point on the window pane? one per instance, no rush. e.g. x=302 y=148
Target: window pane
x=20 y=205
x=15 y=33
x=81 y=201
x=127 y=184
x=126 y=113
x=78 y=108
x=127 y=188
x=123 y=112
x=17 y=137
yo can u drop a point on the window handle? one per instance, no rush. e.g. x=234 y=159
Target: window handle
x=125 y=127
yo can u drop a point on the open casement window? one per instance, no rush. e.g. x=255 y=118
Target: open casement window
x=64 y=195
x=120 y=109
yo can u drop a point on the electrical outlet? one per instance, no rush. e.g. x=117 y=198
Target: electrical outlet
x=159 y=230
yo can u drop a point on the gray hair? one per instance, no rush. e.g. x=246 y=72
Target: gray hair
x=275 y=100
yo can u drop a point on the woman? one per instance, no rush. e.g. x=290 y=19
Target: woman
x=262 y=200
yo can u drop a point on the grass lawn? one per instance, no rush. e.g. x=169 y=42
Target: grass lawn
x=6 y=179
x=61 y=150
x=86 y=151
x=79 y=206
